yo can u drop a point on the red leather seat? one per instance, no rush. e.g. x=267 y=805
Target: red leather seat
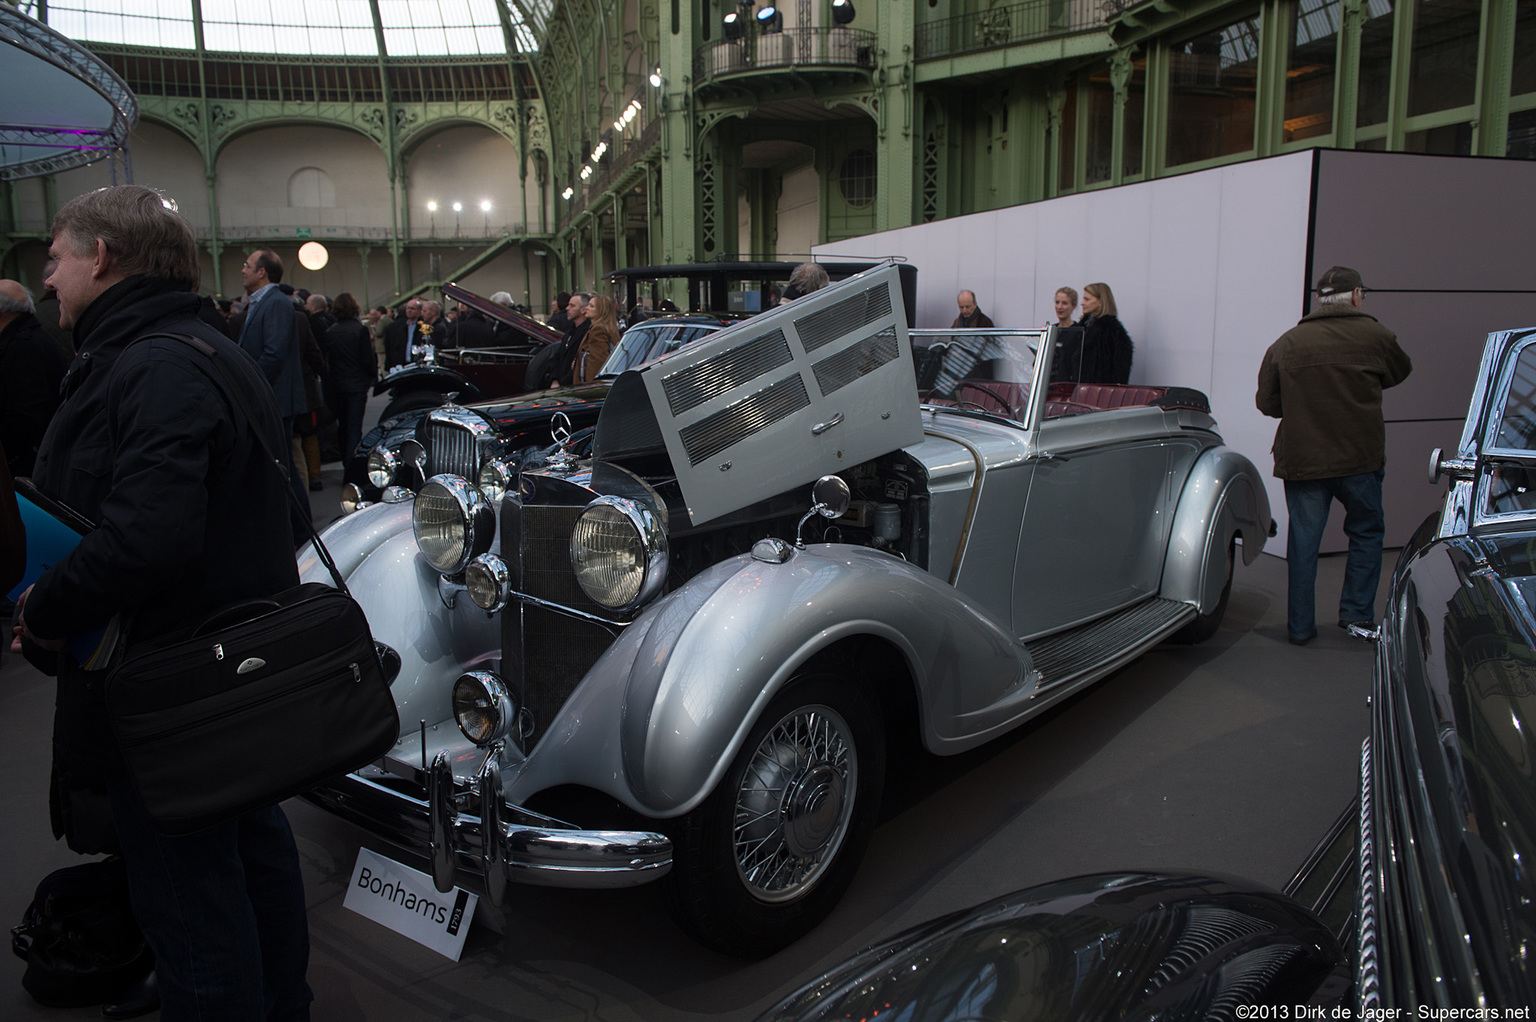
x=1109 y=396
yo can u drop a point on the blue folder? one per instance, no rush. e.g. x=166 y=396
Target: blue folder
x=48 y=540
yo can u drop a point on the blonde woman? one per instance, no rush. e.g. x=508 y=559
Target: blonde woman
x=1107 y=348
x=602 y=337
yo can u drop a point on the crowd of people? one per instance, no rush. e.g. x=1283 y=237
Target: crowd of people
x=1093 y=349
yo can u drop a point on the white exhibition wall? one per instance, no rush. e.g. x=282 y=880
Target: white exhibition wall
x=1201 y=299
x=1209 y=268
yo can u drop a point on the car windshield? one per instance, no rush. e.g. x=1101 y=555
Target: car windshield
x=979 y=370
x=646 y=342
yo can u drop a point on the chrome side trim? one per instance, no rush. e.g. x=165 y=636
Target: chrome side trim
x=1367 y=978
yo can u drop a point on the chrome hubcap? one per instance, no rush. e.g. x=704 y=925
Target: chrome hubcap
x=794 y=804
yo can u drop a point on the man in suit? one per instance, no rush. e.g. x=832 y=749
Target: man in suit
x=400 y=335
x=270 y=336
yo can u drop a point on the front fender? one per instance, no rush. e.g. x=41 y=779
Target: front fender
x=686 y=682
x=375 y=551
x=432 y=379
x=1223 y=497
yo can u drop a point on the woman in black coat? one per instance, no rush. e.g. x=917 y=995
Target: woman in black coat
x=349 y=350
x=1106 y=347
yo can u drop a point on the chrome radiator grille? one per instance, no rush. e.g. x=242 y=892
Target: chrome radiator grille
x=451 y=448
x=545 y=653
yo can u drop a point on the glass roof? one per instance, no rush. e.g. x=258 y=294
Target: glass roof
x=412 y=28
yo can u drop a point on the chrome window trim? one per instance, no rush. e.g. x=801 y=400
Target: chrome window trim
x=1486 y=436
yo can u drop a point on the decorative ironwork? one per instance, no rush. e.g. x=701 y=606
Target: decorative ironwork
x=70 y=148
x=1012 y=24
x=930 y=186
x=814 y=48
x=709 y=243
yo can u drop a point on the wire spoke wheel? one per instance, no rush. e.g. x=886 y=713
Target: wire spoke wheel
x=794 y=803
x=773 y=847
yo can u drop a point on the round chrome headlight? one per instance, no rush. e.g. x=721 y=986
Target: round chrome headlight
x=452 y=522
x=619 y=552
x=483 y=707
x=496 y=478
x=351 y=498
x=383 y=463
x=489 y=581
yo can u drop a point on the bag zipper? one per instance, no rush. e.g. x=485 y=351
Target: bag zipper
x=228 y=711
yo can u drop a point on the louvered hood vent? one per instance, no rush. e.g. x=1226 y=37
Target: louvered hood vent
x=814 y=386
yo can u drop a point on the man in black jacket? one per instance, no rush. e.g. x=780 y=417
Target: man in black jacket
x=191 y=516
x=31 y=366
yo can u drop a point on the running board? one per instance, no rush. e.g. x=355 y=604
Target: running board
x=1101 y=646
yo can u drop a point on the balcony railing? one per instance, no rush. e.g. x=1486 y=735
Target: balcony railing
x=1007 y=26
x=836 y=47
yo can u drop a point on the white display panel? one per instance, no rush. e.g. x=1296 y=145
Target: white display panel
x=1207 y=270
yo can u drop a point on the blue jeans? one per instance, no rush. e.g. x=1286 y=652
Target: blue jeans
x=223 y=910
x=1308 y=501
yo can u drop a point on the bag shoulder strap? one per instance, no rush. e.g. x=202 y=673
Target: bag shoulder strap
x=237 y=393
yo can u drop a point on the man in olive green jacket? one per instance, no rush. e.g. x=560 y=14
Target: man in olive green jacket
x=1323 y=380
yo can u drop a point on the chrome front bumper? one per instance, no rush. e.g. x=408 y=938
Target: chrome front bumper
x=450 y=826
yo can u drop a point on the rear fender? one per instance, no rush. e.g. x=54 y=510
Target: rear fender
x=1223 y=497
x=660 y=717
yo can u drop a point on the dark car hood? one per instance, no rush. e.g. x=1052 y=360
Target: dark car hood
x=1122 y=946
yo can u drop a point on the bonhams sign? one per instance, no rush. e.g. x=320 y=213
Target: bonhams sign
x=406 y=901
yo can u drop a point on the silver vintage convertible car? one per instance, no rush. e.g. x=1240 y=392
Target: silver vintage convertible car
x=687 y=650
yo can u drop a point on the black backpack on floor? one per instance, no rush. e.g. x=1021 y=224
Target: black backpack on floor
x=79 y=939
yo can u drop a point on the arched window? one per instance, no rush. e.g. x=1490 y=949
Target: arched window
x=311 y=188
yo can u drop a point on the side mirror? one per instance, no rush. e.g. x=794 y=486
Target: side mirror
x=829 y=498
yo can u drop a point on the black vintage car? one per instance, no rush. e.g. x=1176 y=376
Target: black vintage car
x=437 y=373
x=1421 y=900
x=409 y=447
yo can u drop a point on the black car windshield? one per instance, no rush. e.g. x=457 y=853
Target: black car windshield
x=646 y=342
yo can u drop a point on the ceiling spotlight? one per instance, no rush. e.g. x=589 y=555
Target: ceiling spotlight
x=842 y=11
x=569 y=191
x=432 y=206
x=657 y=81
x=458 y=207
x=769 y=19
x=485 y=205
x=733 y=26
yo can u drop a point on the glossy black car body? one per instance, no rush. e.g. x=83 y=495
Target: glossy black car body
x=1427 y=879
x=1108 y=946
x=733 y=286
x=1448 y=777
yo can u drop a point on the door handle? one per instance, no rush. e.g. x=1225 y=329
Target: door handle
x=822 y=427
